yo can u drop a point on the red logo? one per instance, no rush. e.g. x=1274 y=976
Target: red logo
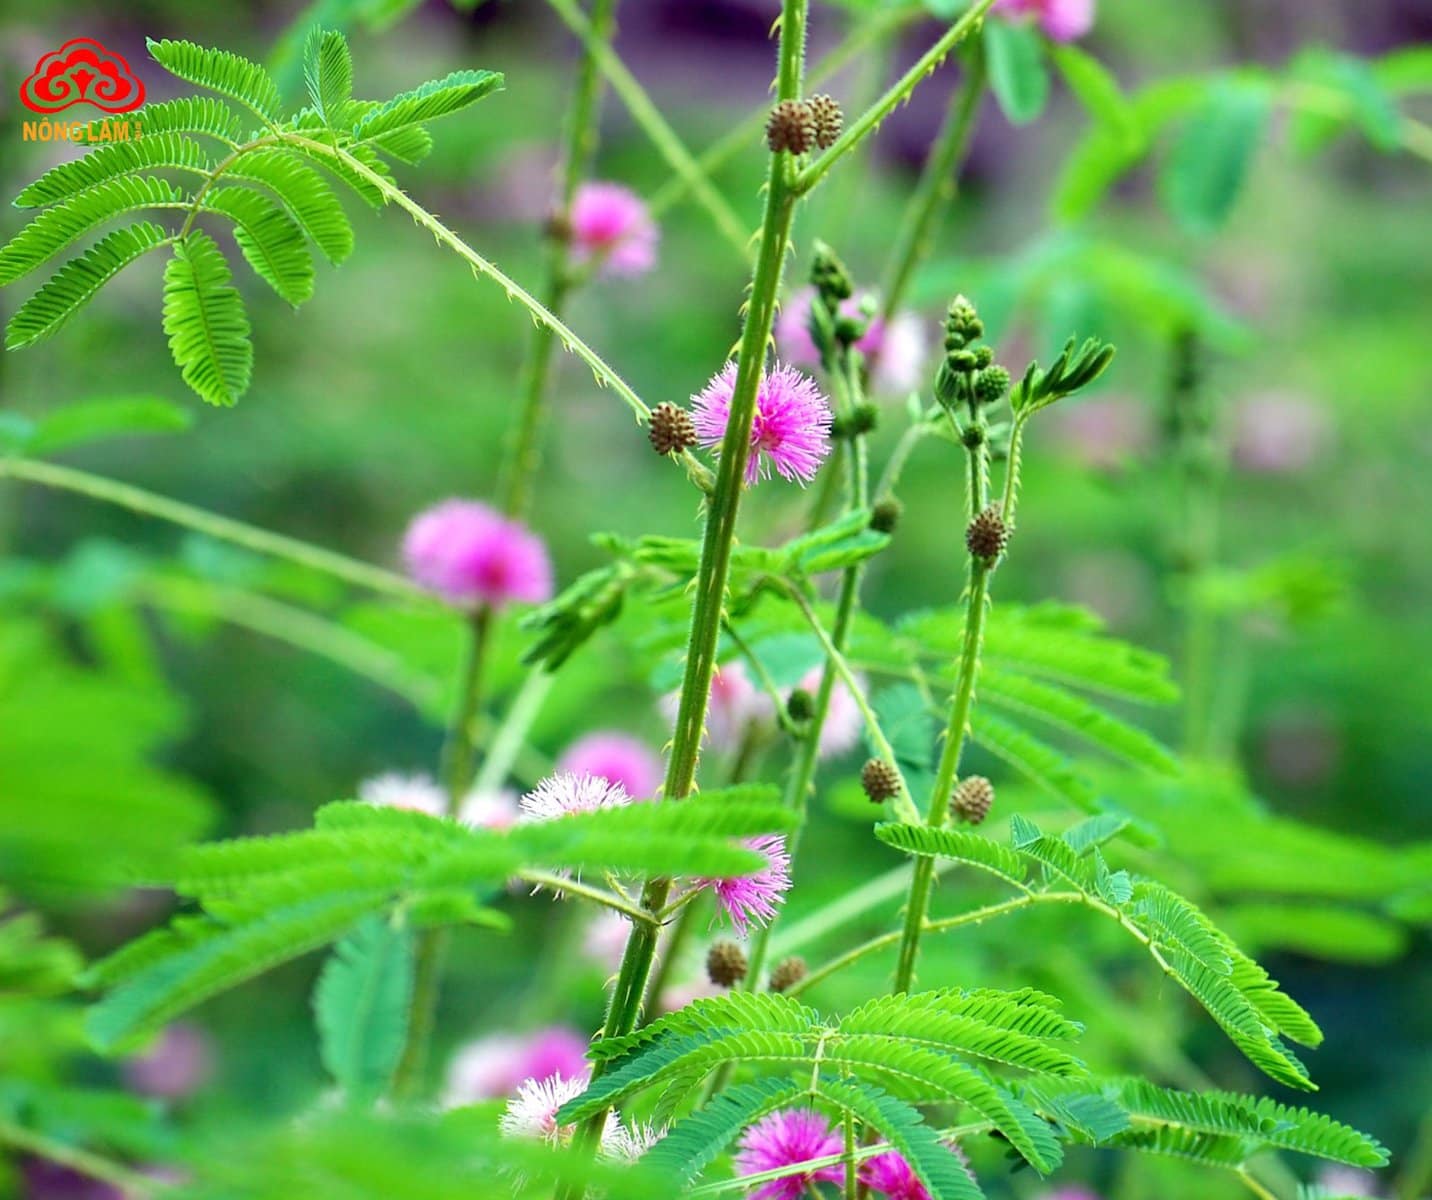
x=82 y=72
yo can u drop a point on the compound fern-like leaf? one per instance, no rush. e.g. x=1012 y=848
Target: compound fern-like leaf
x=220 y=71
x=205 y=320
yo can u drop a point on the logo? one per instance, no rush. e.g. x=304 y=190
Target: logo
x=82 y=71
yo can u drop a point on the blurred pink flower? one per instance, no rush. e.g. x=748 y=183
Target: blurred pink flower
x=178 y=1064
x=1103 y=433
x=753 y=899
x=1062 y=20
x=564 y=793
x=896 y=352
x=1069 y=1193
x=489 y=809
x=611 y=225
x=1347 y=1181
x=791 y=429
x=617 y=758
x=735 y=705
x=412 y=793
x=497 y=1064
x=1301 y=747
x=605 y=938
x=843 y=721
x=1275 y=433
x=679 y=995
x=473 y=556
x=781 y=1139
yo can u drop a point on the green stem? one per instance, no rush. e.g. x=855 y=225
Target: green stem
x=870 y=119
x=624 y=1010
x=524 y=451
x=977 y=595
x=210 y=524
x=937 y=184
x=575 y=887
x=506 y=745
x=601 y=370
x=85 y=1162
x=458 y=752
x=747 y=132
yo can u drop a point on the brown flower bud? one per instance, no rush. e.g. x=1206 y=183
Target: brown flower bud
x=790 y=127
x=788 y=973
x=880 y=780
x=827 y=119
x=726 y=964
x=986 y=534
x=671 y=429
x=972 y=798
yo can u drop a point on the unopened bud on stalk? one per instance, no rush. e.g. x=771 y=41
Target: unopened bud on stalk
x=671 y=429
x=973 y=798
x=880 y=780
x=726 y=964
x=986 y=534
x=788 y=973
x=790 y=127
x=828 y=120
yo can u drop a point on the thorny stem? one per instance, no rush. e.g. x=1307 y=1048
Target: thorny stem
x=624 y=1009
x=897 y=94
x=212 y=525
x=976 y=604
x=601 y=370
x=459 y=750
x=936 y=186
x=524 y=451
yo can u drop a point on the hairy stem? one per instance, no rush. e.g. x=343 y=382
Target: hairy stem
x=624 y=1009
x=212 y=525
x=976 y=604
x=937 y=185
x=524 y=449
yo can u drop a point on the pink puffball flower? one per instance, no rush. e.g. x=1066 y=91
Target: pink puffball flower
x=565 y=793
x=617 y=758
x=791 y=428
x=177 y=1065
x=410 y=793
x=895 y=351
x=604 y=940
x=782 y=1139
x=1062 y=20
x=612 y=227
x=496 y=1065
x=748 y=899
x=532 y=1113
x=474 y=557
x=891 y=1175
x=843 y=721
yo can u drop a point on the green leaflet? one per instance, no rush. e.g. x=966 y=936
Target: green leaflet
x=436 y=99
x=78 y=281
x=205 y=320
x=1212 y=156
x=220 y=71
x=327 y=71
x=695 y=1141
x=153 y=151
x=1018 y=74
x=306 y=196
x=71 y=219
x=361 y=1007
x=942 y=1173
x=269 y=238
x=200 y=958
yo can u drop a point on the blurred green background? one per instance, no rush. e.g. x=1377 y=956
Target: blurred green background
x=394 y=387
